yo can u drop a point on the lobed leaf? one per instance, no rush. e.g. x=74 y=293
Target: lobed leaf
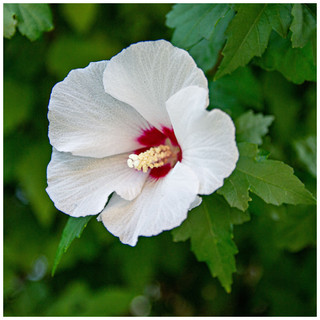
x=248 y=36
x=280 y=18
x=209 y=228
x=206 y=51
x=271 y=180
x=32 y=19
x=9 y=22
x=296 y=64
x=252 y=127
x=193 y=22
x=72 y=230
x=236 y=190
x=303 y=26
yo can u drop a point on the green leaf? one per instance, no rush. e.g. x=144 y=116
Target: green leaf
x=280 y=18
x=206 y=51
x=32 y=19
x=303 y=26
x=9 y=22
x=296 y=64
x=307 y=153
x=72 y=230
x=252 y=127
x=235 y=92
x=193 y=22
x=238 y=217
x=209 y=228
x=271 y=180
x=236 y=190
x=248 y=35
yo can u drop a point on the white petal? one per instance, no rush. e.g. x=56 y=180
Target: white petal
x=197 y=201
x=86 y=121
x=207 y=138
x=161 y=205
x=80 y=186
x=147 y=73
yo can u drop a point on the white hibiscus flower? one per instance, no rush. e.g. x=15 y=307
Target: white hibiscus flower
x=137 y=125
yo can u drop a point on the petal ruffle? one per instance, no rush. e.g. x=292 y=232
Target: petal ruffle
x=207 y=138
x=147 y=73
x=86 y=121
x=80 y=186
x=197 y=201
x=162 y=205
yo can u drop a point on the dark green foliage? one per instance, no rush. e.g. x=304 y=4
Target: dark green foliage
x=303 y=25
x=271 y=180
x=255 y=30
x=200 y=28
x=209 y=227
x=236 y=92
x=194 y=22
x=256 y=235
x=296 y=64
x=207 y=50
x=248 y=36
x=280 y=18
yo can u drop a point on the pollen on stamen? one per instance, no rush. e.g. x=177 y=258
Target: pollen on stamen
x=155 y=157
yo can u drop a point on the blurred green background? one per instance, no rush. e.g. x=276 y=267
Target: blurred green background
x=99 y=276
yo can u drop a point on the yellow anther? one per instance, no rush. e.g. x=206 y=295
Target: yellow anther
x=155 y=157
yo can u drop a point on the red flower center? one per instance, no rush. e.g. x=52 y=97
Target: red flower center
x=153 y=138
